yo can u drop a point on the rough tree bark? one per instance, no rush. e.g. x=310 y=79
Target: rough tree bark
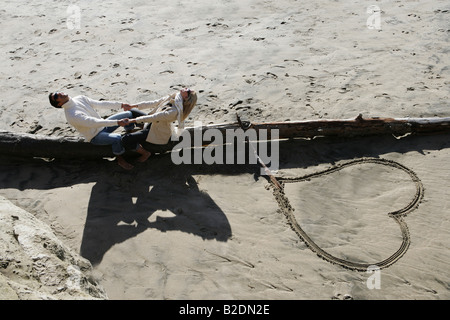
x=31 y=145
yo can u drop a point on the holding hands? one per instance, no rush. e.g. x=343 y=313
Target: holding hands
x=127 y=107
x=125 y=122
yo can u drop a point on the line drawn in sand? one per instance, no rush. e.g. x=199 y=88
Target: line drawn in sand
x=398 y=215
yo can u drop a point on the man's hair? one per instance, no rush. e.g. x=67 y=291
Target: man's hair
x=52 y=101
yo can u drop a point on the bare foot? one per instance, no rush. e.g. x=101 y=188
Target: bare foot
x=143 y=158
x=124 y=164
x=144 y=154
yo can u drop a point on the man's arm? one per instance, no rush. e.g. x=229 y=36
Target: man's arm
x=105 y=104
x=82 y=119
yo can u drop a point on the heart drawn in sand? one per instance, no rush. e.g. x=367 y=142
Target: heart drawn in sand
x=397 y=215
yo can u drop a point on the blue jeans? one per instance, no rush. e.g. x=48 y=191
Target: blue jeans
x=108 y=137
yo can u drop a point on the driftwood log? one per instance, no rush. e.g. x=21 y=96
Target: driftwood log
x=40 y=146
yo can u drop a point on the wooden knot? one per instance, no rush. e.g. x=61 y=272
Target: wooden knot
x=359 y=118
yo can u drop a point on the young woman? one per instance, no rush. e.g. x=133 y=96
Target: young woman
x=164 y=112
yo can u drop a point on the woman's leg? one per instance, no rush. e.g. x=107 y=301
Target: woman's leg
x=138 y=113
x=132 y=141
x=145 y=154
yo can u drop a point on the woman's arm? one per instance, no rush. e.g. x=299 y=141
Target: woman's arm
x=168 y=115
x=148 y=104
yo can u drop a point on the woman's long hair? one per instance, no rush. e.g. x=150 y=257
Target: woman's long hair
x=188 y=104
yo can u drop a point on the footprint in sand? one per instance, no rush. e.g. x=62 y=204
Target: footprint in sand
x=343 y=291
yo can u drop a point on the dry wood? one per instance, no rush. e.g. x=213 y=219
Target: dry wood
x=33 y=145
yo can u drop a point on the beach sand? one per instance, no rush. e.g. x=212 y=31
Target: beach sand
x=166 y=231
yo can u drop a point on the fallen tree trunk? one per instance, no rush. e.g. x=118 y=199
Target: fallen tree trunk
x=31 y=145
x=358 y=127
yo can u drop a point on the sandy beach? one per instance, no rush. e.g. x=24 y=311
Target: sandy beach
x=198 y=232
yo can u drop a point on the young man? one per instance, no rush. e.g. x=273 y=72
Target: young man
x=80 y=113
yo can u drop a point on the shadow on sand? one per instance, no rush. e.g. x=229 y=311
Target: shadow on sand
x=122 y=202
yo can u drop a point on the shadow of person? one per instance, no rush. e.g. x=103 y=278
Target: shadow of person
x=121 y=204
